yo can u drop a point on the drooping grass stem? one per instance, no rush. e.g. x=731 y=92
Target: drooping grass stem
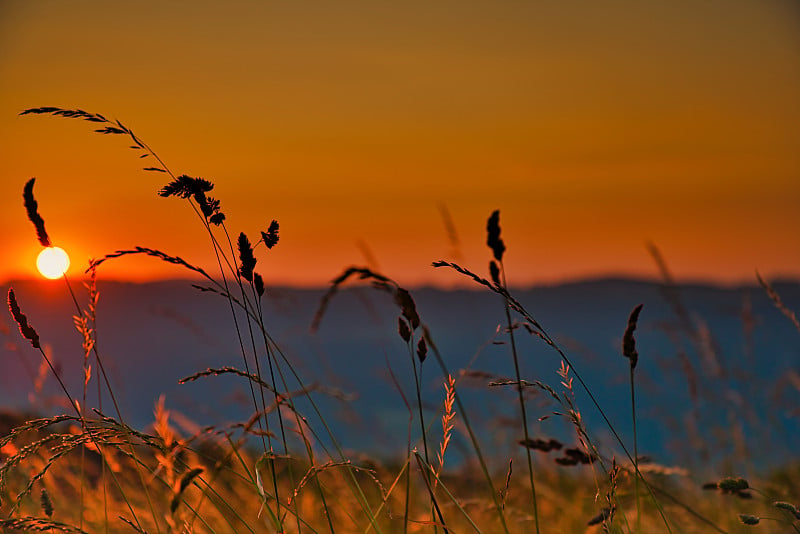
x=540 y=332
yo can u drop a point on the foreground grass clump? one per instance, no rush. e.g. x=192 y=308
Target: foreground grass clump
x=282 y=469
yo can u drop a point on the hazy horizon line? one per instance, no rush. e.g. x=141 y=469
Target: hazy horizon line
x=453 y=285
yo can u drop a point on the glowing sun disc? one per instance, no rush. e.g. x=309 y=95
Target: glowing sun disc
x=52 y=262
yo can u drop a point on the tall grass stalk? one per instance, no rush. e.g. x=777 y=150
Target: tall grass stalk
x=476 y=448
x=194 y=190
x=629 y=351
x=408 y=318
x=30 y=334
x=542 y=334
x=421 y=354
x=498 y=273
x=31 y=208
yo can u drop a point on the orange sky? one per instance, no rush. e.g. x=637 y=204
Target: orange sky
x=594 y=129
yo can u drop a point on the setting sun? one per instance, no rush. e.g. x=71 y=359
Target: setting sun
x=52 y=262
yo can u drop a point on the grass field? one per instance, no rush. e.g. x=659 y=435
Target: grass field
x=282 y=470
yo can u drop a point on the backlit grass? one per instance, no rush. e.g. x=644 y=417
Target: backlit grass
x=283 y=469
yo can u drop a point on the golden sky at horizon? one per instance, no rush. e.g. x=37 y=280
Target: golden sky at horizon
x=594 y=129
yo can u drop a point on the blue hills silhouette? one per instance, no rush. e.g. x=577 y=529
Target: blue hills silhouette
x=717 y=382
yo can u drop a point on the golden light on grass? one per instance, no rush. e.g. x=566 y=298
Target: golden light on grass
x=319 y=487
x=52 y=262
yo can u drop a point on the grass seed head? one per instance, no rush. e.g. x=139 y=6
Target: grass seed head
x=494 y=272
x=271 y=237
x=188 y=187
x=789 y=507
x=31 y=206
x=185 y=186
x=47 y=504
x=259 y=283
x=248 y=260
x=628 y=341
x=27 y=331
x=732 y=484
x=403 y=329
x=422 y=350
x=493 y=238
x=409 y=310
x=541 y=445
x=748 y=519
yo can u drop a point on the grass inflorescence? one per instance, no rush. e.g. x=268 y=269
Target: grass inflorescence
x=281 y=468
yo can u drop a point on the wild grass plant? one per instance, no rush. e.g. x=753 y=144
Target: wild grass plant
x=282 y=468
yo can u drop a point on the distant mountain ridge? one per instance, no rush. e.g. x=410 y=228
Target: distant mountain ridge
x=708 y=355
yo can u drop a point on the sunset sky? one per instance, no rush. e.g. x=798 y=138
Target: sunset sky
x=594 y=127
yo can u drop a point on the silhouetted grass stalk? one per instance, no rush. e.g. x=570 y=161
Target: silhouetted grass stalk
x=538 y=331
x=629 y=351
x=498 y=505
x=31 y=208
x=267 y=442
x=384 y=283
x=30 y=333
x=498 y=273
x=208 y=210
x=776 y=299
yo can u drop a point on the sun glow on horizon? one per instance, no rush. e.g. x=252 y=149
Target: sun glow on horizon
x=53 y=262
